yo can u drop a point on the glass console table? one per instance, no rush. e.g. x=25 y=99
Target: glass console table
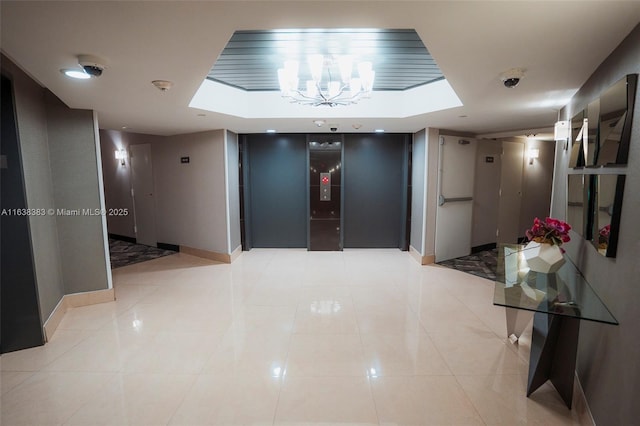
x=557 y=302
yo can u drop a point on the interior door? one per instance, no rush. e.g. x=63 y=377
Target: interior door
x=143 y=200
x=456 y=171
x=510 y=192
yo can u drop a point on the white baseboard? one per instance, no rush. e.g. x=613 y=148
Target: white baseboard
x=75 y=300
x=423 y=260
x=212 y=255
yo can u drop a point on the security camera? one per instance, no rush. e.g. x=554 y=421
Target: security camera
x=333 y=127
x=511 y=78
x=92 y=65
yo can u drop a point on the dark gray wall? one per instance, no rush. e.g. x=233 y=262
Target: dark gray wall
x=608 y=357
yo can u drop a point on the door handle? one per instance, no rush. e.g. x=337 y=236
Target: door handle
x=442 y=200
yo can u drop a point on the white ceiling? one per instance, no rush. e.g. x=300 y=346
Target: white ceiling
x=559 y=44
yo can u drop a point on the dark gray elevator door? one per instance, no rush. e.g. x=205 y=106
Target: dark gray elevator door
x=278 y=190
x=375 y=190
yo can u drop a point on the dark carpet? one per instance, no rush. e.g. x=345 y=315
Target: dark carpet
x=123 y=253
x=482 y=264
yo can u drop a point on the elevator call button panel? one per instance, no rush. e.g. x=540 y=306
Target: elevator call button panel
x=325 y=186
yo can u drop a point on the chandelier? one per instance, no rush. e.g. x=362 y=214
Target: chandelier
x=324 y=89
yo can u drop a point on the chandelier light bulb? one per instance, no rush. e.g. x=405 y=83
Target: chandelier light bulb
x=347 y=90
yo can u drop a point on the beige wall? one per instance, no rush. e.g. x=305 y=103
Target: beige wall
x=486 y=198
x=117 y=178
x=61 y=171
x=190 y=200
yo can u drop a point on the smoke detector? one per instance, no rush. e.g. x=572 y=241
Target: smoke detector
x=162 y=85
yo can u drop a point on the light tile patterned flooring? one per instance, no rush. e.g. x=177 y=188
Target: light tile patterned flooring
x=282 y=337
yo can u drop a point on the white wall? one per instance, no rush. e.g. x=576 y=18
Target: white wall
x=418 y=181
x=190 y=198
x=233 y=189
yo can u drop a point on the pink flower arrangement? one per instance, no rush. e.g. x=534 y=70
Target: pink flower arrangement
x=605 y=231
x=551 y=231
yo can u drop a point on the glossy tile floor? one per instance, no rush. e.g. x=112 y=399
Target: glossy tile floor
x=284 y=337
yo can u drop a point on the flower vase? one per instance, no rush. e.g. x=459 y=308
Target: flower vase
x=545 y=258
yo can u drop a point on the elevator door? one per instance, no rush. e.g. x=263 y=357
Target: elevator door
x=325 y=162
x=276 y=209
x=375 y=190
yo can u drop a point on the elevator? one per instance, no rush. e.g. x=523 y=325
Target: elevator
x=325 y=192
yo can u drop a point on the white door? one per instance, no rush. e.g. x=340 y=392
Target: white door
x=142 y=192
x=510 y=193
x=456 y=172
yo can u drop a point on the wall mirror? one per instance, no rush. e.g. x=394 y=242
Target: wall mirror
x=577 y=151
x=590 y=144
x=616 y=113
x=576 y=211
x=607 y=204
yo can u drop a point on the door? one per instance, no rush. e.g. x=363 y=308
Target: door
x=456 y=173
x=144 y=207
x=19 y=310
x=325 y=163
x=510 y=193
x=375 y=175
x=276 y=211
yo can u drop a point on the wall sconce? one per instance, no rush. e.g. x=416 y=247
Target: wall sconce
x=121 y=155
x=562 y=132
x=532 y=154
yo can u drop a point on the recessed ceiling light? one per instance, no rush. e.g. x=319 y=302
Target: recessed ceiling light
x=124 y=127
x=356 y=126
x=271 y=131
x=75 y=73
x=379 y=130
x=319 y=123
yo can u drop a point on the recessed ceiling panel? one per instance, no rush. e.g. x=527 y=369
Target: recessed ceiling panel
x=251 y=59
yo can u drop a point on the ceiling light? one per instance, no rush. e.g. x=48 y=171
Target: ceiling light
x=379 y=130
x=319 y=123
x=356 y=126
x=316 y=92
x=75 y=73
x=271 y=130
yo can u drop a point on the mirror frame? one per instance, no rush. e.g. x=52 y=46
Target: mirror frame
x=594 y=227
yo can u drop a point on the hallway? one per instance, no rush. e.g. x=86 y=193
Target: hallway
x=286 y=337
